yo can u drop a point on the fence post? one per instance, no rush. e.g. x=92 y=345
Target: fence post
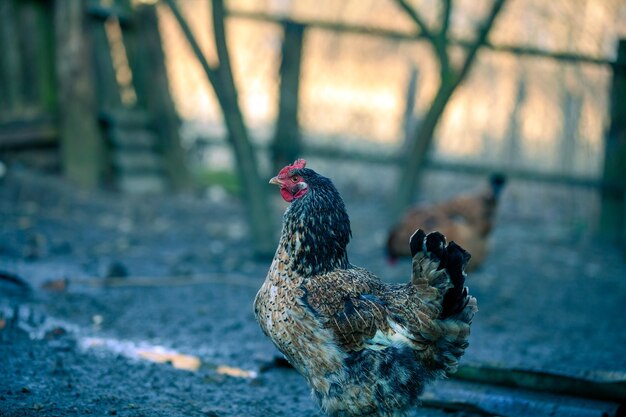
x=81 y=140
x=612 y=223
x=572 y=105
x=512 y=149
x=11 y=64
x=409 y=119
x=287 y=141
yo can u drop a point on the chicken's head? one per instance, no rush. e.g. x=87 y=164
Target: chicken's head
x=291 y=182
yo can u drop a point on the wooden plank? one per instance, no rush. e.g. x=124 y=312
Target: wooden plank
x=141 y=184
x=82 y=147
x=413 y=36
x=608 y=386
x=613 y=212
x=369 y=157
x=230 y=279
x=138 y=162
x=31 y=132
x=46 y=159
x=132 y=139
x=126 y=118
x=287 y=143
x=522 y=174
x=492 y=400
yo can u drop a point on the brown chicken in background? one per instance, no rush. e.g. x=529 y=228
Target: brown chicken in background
x=467 y=219
x=366 y=348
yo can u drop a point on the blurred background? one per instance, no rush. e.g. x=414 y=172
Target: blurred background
x=116 y=96
x=137 y=138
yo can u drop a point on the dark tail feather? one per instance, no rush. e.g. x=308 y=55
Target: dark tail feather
x=433 y=243
x=455 y=299
x=416 y=243
x=436 y=245
x=453 y=259
x=497 y=181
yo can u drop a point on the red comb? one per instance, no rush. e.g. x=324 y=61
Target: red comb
x=299 y=163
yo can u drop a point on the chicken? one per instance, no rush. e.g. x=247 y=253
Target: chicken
x=466 y=219
x=365 y=347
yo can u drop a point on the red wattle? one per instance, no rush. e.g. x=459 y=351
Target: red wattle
x=286 y=195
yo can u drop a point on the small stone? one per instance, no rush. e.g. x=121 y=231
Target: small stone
x=97 y=320
x=56 y=285
x=116 y=269
x=210 y=412
x=61 y=248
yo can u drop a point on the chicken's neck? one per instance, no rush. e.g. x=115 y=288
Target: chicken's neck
x=316 y=231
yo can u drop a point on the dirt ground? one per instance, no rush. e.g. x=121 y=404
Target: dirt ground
x=141 y=306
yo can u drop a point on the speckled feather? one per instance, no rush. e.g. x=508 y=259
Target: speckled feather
x=365 y=347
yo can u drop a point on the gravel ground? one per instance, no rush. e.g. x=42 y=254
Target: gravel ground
x=84 y=343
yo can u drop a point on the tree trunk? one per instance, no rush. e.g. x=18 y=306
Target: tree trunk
x=417 y=150
x=450 y=80
x=253 y=187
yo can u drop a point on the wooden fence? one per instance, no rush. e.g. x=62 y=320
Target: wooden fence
x=287 y=143
x=83 y=89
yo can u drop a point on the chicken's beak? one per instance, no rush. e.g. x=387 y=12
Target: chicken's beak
x=275 y=180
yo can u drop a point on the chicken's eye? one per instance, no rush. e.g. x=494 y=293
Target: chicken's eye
x=294 y=178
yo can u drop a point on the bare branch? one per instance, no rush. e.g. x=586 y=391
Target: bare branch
x=441 y=42
x=195 y=46
x=445 y=18
x=481 y=39
x=438 y=40
x=416 y=18
x=422 y=138
x=220 y=37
